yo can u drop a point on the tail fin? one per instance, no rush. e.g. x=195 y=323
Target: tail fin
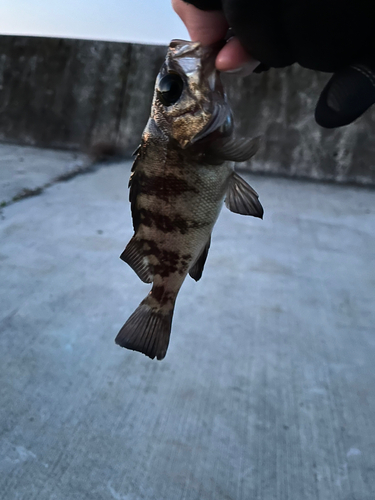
x=147 y=330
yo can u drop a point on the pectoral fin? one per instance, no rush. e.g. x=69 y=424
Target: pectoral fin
x=242 y=199
x=134 y=256
x=235 y=149
x=197 y=269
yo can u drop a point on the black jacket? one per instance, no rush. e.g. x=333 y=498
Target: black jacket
x=325 y=35
x=336 y=36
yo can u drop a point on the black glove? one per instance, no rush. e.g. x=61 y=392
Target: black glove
x=326 y=35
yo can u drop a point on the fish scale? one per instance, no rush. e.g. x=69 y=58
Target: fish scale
x=182 y=173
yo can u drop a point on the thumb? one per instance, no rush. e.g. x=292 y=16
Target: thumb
x=203 y=26
x=347 y=95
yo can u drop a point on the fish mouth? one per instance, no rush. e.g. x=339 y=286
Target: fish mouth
x=193 y=57
x=183 y=48
x=196 y=63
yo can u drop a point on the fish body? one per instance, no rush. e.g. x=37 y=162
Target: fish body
x=182 y=173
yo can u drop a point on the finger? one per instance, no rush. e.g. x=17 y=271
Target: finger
x=347 y=95
x=234 y=58
x=206 y=27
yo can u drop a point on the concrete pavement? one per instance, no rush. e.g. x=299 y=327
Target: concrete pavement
x=267 y=391
x=25 y=171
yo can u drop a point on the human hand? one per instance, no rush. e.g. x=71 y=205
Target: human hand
x=324 y=35
x=209 y=27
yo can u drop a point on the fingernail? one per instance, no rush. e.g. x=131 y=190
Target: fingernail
x=244 y=70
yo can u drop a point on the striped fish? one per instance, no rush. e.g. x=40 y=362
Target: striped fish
x=182 y=173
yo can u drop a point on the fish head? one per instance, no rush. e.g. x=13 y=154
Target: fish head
x=189 y=103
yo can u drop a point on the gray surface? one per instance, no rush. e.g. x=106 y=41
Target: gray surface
x=67 y=93
x=25 y=170
x=268 y=388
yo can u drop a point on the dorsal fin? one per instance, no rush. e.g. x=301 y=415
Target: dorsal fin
x=134 y=190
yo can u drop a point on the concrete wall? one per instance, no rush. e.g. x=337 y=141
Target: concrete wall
x=74 y=93
x=279 y=105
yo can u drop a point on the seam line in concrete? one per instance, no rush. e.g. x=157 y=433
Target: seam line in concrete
x=29 y=193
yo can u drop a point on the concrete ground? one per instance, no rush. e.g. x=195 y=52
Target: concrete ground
x=25 y=171
x=268 y=388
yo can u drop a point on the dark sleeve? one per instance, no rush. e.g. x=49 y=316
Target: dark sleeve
x=325 y=35
x=206 y=4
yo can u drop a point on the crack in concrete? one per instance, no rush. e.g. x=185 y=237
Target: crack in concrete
x=87 y=168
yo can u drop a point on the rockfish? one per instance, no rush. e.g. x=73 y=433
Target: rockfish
x=182 y=173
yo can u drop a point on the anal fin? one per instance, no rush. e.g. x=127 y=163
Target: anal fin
x=134 y=256
x=242 y=198
x=197 y=269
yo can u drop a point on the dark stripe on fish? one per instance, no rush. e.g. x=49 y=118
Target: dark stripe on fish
x=169 y=262
x=165 y=187
x=167 y=224
x=163 y=297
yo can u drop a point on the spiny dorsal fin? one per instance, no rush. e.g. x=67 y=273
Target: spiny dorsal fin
x=134 y=191
x=134 y=256
x=242 y=199
x=197 y=269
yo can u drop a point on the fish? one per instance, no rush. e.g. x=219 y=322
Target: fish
x=182 y=174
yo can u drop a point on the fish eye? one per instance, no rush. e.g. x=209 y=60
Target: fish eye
x=170 y=88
